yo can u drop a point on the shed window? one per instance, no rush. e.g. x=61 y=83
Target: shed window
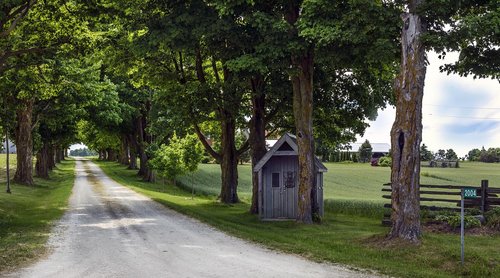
x=290 y=178
x=276 y=180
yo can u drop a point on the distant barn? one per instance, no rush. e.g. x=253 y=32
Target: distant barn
x=278 y=183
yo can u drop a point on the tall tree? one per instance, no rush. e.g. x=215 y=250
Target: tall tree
x=365 y=151
x=406 y=133
x=466 y=26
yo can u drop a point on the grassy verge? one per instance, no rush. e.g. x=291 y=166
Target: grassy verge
x=345 y=238
x=27 y=215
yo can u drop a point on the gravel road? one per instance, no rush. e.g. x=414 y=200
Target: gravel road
x=111 y=231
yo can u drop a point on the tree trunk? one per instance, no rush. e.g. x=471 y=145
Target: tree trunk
x=302 y=110
x=229 y=161
x=144 y=138
x=302 y=63
x=61 y=153
x=57 y=152
x=24 y=143
x=111 y=155
x=51 y=160
x=406 y=133
x=257 y=137
x=132 y=142
x=124 y=152
x=143 y=159
x=102 y=155
x=42 y=162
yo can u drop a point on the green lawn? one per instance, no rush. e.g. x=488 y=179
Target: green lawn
x=3 y=164
x=27 y=215
x=351 y=239
x=351 y=181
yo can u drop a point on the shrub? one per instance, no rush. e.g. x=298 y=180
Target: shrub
x=205 y=160
x=385 y=161
x=493 y=218
x=454 y=220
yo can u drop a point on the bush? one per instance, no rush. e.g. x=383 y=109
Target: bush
x=205 y=160
x=454 y=220
x=493 y=218
x=385 y=161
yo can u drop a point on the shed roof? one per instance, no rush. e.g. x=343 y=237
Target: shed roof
x=291 y=140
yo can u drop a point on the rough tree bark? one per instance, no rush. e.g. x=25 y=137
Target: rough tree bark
x=51 y=161
x=257 y=138
x=302 y=64
x=61 y=153
x=58 y=154
x=132 y=142
x=406 y=133
x=124 y=152
x=24 y=143
x=143 y=139
x=229 y=161
x=111 y=154
x=42 y=162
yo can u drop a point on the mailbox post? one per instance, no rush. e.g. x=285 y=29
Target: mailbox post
x=467 y=193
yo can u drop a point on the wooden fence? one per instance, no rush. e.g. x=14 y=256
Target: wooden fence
x=449 y=194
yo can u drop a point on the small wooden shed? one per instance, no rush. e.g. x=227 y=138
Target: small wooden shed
x=278 y=186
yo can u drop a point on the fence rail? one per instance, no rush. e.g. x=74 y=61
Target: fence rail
x=487 y=197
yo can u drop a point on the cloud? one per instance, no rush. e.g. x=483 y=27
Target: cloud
x=461 y=113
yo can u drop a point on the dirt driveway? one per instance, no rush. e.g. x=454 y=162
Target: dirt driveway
x=111 y=231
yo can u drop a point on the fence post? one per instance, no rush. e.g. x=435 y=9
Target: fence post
x=484 y=196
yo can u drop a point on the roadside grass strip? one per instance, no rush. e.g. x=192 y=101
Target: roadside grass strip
x=351 y=233
x=28 y=214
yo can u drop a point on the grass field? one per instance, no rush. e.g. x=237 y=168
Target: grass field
x=352 y=239
x=3 y=168
x=351 y=181
x=27 y=215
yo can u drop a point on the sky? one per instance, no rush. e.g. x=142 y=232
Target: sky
x=459 y=113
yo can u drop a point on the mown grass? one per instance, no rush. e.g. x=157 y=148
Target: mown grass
x=27 y=215
x=3 y=166
x=357 y=182
x=351 y=237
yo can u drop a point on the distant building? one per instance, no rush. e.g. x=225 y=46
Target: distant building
x=378 y=150
x=12 y=147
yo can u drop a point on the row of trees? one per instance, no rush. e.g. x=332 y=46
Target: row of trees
x=427 y=155
x=125 y=76
x=490 y=155
x=82 y=152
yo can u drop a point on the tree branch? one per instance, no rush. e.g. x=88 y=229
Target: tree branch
x=243 y=148
x=216 y=72
x=207 y=146
x=20 y=13
x=200 y=74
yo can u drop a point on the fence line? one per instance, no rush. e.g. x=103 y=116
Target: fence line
x=487 y=197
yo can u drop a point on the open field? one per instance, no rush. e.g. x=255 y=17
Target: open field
x=27 y=215
x=3 y=169
x=351 y=181
x=352 y=239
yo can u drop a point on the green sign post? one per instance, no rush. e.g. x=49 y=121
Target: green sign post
x=467 y=193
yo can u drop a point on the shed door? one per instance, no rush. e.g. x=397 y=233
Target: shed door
x=282 y=179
